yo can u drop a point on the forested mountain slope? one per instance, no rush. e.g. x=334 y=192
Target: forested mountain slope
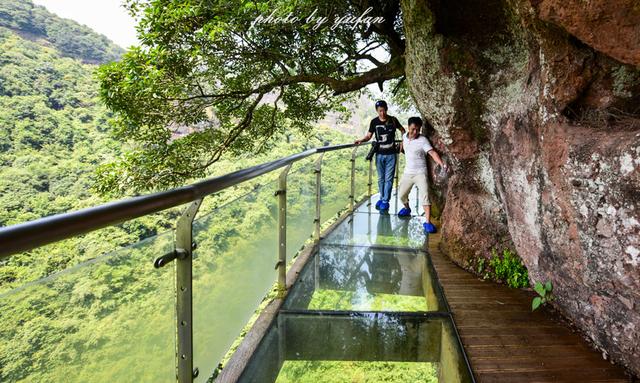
x=54 y=133
x=69 y=38
x=53 y=130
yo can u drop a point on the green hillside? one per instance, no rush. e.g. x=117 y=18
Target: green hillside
x=54 y=132
x=68 y=313
x=67 y=37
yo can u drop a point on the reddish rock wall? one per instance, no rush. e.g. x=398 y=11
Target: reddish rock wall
x=611 y=27
x=537 y=110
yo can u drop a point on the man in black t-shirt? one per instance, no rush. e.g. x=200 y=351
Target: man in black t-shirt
x=384 y=128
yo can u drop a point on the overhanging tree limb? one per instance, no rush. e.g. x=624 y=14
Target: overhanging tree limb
x=205 y=68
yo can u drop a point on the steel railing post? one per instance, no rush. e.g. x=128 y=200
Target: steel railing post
x=353 y=179
x=184 y=294
x=318 y=171
x=396 y=170
x=370 y=184
x=282 y=231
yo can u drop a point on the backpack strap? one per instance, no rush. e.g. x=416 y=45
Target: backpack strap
x=396 y=125
x=375 y=131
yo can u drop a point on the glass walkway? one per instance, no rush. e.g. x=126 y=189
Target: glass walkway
x=365 y=305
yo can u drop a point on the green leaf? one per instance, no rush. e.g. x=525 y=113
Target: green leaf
x=548 y=286
x=537 y=301
x=539 y=288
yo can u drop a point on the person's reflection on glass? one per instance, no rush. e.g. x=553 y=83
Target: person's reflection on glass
x=402 y=229
x=384 y=274
x=384 y=231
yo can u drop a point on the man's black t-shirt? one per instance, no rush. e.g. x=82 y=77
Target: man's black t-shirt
x=385 y=133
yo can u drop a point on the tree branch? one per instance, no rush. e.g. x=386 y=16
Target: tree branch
x=393 y=69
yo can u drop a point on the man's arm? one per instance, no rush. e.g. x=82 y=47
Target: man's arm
x=436 y=158
x=366 y=138
x=400 y=127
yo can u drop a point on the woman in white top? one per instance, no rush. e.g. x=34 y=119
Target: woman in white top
x=416 y=147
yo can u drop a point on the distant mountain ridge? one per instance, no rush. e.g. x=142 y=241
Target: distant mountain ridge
x=71 y=39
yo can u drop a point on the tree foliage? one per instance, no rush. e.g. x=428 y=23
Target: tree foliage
x=206 y=82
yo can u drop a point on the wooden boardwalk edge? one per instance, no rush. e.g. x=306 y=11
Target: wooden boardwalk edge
x=505 y=341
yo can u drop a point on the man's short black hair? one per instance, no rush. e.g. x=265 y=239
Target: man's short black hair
x=415 y=120
x=382 y=103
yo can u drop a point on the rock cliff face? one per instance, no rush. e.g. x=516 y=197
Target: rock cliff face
x=535 y=105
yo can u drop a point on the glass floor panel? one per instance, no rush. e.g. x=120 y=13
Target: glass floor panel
x=366 y=307
x=305 y=347
x=378 y=229
x=302 y=371
x=360 y=278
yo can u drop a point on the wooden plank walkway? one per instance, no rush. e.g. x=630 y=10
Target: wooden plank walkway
x=506 y=342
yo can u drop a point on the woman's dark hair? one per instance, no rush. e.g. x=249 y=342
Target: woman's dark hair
x=415 y=120
x=382 y=103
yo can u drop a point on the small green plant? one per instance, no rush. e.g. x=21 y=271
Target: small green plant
x=545 y=294
x=509 y=269
x=481 y=265
x=482 y=268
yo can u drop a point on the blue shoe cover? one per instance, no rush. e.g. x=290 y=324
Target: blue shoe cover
x=429 y=228
x=384 y=206
x=378 y=204
x=404 y=212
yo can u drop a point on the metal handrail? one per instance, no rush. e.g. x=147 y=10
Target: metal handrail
x=29 y=235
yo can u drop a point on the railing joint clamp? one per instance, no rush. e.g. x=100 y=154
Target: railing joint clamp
x=181 y=253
